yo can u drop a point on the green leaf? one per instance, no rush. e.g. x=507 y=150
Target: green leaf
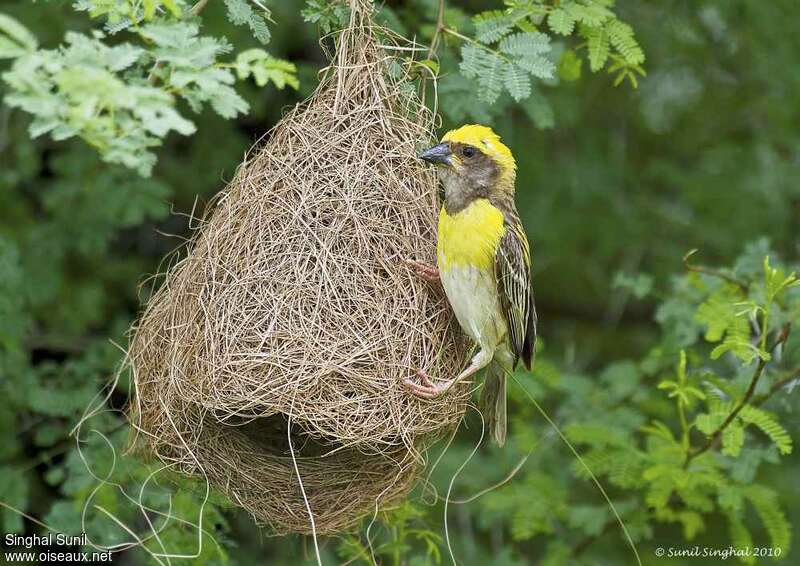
x=730 y=497
x=591 y=14
x=194 y=73
x=524 y=51
x=561 y=21
x=733 y=439
x=742 y=349
x=621 y=37
x=179 y=44
x=80 y=90
x=776 y=281
x=429 y=64
x=264 y=68
x=682 y=389
x=516 y=82
x=769 y=426
x=598 y=45
x=487 y=67
x=569 y=69
x=718 y=411
x=659 y=430
x=328 y=15
x=767 y=506
x=240 y=13
x=692 y=522
x=640 y=284
x=721 y=314
x=492 y=25
x=15 y=39
x=538 y=66
x=741 y=538
x=525 y=44
x=708 y=423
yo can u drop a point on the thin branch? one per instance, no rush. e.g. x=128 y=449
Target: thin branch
x=777 y=386
x=438 y=31
x=782 y=338
x=197 y=8
x=717 y=433
x=713 y=272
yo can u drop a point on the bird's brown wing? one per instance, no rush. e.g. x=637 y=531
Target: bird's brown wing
x=513 y=275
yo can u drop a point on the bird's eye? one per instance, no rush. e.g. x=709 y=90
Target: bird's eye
x=468 y=151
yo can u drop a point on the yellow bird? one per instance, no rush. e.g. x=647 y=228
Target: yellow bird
x=483 y=261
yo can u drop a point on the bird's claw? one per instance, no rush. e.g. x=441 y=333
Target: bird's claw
x=423 y=270
x=425 y=389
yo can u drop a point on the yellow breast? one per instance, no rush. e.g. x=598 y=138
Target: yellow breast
x=469 y=237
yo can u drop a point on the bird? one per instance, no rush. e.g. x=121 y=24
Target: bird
x=483 y=261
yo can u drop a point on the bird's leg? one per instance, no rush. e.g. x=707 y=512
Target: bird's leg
x=427 y=390
x=424 y=270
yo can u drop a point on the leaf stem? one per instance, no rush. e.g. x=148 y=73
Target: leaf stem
x=461 y=36
x=684 y=425
x=765 y=327
x=476 y=43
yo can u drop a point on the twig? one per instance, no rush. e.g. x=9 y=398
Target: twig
x=782 y=337
x=438 y=31
x=713 y=272
x=777 y=386
x=197 y=8
x=716 y=434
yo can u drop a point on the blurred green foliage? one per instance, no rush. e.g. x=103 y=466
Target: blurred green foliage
x=674 y=378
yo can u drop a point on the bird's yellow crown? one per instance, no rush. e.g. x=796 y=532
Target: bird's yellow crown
x=485 y=139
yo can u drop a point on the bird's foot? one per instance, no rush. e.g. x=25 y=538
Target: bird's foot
x=426 y=388
x=424 y=270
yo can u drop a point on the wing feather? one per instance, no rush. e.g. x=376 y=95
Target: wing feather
x=513 y=275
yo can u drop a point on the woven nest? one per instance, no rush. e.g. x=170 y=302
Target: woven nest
x=294 y=304
x=253 y=462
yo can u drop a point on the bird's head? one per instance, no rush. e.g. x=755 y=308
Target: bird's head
x=473 y=163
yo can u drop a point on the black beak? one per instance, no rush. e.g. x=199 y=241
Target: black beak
x=440 y=153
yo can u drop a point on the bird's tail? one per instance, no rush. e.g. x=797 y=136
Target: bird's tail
x=493 y=401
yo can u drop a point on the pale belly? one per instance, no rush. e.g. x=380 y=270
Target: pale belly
x=473 y=297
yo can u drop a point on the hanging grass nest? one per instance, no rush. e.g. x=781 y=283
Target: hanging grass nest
x=257 y=462
x=293 y=307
